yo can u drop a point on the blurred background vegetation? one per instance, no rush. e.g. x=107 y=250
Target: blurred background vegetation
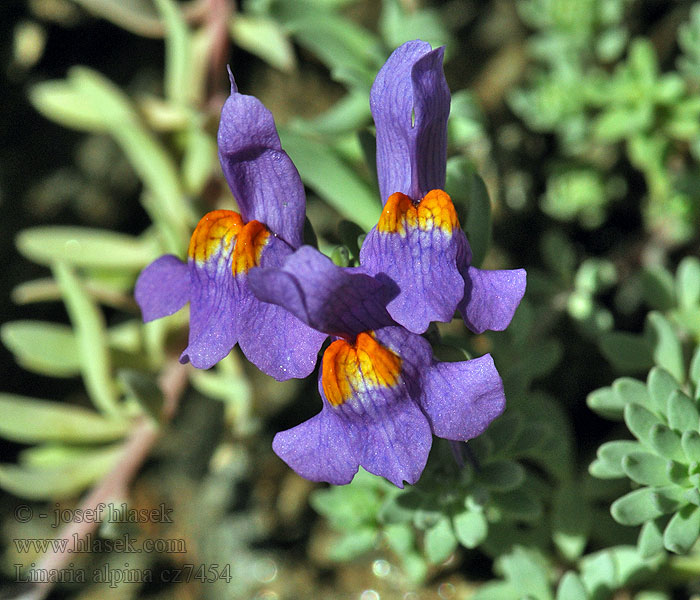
x=574 y=152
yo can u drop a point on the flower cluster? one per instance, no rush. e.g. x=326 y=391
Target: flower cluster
x=250 y=281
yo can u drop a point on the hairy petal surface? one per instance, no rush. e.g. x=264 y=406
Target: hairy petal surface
x=262 y=177
x=491 y=297
x=337 y=301
x=410 y=103
x=162 y=288
x=417 y=246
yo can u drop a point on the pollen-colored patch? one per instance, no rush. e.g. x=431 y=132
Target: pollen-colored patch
x=253 y=237
x=350 y=369
x=215 y=232
x=435 y=210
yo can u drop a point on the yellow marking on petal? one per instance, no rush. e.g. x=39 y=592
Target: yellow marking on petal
x=349 y=369
x=252 y=238
x=215 y=232
x=435 y=210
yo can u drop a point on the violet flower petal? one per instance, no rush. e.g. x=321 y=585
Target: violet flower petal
x=368 y=400
x=262 y=177
x=213 y=310
x=491 y=297
x=273 y=339
x=162 y=288
x=318 y=449
x=341 y=302
x=410 y=103
x=418 y=247
x=462 y=398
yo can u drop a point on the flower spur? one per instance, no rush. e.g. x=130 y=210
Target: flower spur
x=418 y=241
x=225 y=245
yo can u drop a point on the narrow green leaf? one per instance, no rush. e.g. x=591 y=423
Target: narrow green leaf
x=468 y=188
x=89 y=328
x=333 y=180
x=645 y=468
x=46 y=348
x=178 y=50
x=683 y=529
x=62 y=480
x=635 y=507
x=29 y=420
x=83 y=247
x=340 y=44
x=470 y=528
x=440 y=541
x=265 y=38
x=144 y=389
x=98 y=96
x=198 y=160
x=668 y=352
x=136 y=16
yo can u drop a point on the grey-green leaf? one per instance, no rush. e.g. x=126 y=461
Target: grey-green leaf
x=666 y=442
x=688 y=282
x=440 y=541
x=690 y=442
x=29 y=420
x=470 y=528
x=668 y=352
x=502 y=475
x=332 y=179
x=640 y=422
x=635 y=507
x=62 y=480
x=683 y=529
x=46 y=348
x=88 y=324
x=84 y=247
x=661 y=385
x=645 y=468
x=651 y=539
x=571 y=588
x=682 y=413
x=606 y=403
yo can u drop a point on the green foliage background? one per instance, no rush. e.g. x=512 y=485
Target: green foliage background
x=574 y=144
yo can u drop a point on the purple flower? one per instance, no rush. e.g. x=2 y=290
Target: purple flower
x=225 y=245
x=383 y=393
x=418 y=242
